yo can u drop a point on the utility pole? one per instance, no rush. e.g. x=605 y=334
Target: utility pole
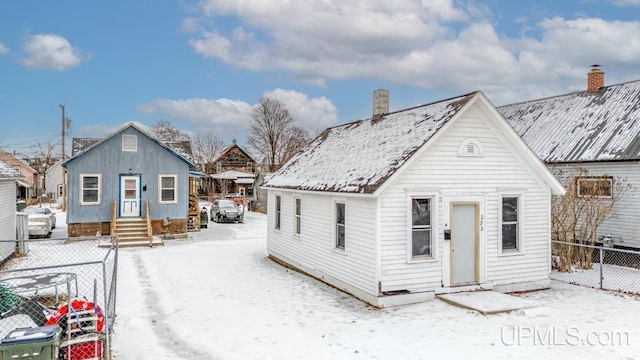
x=64 y=170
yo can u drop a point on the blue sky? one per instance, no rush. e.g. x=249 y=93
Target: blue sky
x=205 y=64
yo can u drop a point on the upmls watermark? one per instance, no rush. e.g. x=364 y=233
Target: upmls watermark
x=561 y=336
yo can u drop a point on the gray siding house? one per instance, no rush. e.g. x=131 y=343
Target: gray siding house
x=597 y=130
x=125 y=171
x=397 y=208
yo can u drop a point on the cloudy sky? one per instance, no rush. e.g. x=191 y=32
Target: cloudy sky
x=205 y=64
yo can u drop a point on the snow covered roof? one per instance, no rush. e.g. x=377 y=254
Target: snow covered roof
x=599 y=126
x=8 y=172
x=359 y=157
x=233 y=175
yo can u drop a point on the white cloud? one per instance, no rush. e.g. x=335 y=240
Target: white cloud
x=221 y=116
x=225 y=117
x=437 y=45
x=50 y=51
x=3 y=49
x=627 y=2
x=312 y=114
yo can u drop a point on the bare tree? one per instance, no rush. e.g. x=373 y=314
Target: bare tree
x=576 y=216
x=272 y=132
x=44 y=157
x=205 y=149
x=164 y=130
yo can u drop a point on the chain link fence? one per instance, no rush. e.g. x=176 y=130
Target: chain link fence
x=59 y=282
x=599 y=267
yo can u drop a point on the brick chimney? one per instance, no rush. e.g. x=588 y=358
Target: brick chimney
x=595 y=79
x=380 y=103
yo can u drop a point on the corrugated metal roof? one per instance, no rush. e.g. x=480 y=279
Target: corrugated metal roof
x=581 y=126
x=359 y=157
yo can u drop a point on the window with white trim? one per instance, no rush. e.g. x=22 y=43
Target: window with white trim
x=129 y=143
x=510 y=218
x=595 y=186
x=297 y=217
x=90 y=189
x=421 y=228
x=278 y=212
x=340 y=225
x=168 y=189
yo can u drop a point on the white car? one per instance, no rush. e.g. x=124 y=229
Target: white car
x=41 y=221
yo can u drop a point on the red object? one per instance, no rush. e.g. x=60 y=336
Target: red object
x=86 y=350
x=78 y=305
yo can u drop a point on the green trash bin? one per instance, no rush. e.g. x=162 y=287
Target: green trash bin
x=36 y=343
x=20 y=205
x=204 y=218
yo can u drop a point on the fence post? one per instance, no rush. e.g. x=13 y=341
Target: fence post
x=601 y=265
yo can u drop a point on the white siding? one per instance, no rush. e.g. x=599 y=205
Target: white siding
x=53 y=178
x=441 y=170
x=314 y=250
x=7 y=217
x=627 y=212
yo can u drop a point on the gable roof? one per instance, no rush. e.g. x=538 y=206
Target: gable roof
x=359 y=157
x=8 y=172
x=225 y=149
x=12 y=160
x=599 y=126
x=93 y=144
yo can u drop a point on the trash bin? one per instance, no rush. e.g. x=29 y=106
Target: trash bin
x=36 y=343
x=204 y=218
x=20 y=205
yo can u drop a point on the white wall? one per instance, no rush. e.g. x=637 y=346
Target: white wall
x=314 y=251
x=7 y=217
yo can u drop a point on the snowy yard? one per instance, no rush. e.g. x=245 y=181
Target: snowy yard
x=217 y=296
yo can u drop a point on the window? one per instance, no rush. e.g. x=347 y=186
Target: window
x=129 y=143
x=600 y=187
x=297 y=203
x=168 y=189
x=250 y=192
x=90 y=189
x=218 y=167
x=420 y=228
x=241 y=191
x=340 y=225
x=249 y=167
x=278 y=210
x=510 y=223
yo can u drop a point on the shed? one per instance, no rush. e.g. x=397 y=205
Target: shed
x=432 y=199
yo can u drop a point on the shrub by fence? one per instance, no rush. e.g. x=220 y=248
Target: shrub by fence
x=68 y=283
x=597 y=267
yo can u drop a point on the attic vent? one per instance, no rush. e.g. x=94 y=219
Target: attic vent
x=129 y=143
x=470 y=147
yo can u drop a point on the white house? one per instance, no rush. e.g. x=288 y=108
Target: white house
x=432 y=199
x=53 y=182
x=8 y=178
x=597 y=130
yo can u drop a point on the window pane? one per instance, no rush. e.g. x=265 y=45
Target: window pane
x=340 y=236
x=339 y=213
x=168 y=195
x=421 y=239
x=89 y=196
x=298 y=225
x=421 y=212
x=168 y=182
x=509 y=209
x=298 y=206
x=90 y=182
x=509 y=236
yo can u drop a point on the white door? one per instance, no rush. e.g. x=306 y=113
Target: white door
x=130 y=196
x=463 y=244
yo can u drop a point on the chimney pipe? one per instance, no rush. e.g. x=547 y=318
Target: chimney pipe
x=380 y=103
x=595 y=79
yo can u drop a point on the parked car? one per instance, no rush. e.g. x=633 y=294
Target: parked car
x=41 y=221
x=225 y=210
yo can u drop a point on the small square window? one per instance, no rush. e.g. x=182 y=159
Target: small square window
x=129 y=143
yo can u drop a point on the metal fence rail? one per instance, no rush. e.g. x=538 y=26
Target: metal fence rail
x=61 y=282
x=597 y=267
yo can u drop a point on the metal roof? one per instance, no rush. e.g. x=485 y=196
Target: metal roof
x=600 y=126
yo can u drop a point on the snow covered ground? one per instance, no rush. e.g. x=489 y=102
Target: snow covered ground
x=216 y=295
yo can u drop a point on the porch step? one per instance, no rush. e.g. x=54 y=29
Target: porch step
x=134 y=233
